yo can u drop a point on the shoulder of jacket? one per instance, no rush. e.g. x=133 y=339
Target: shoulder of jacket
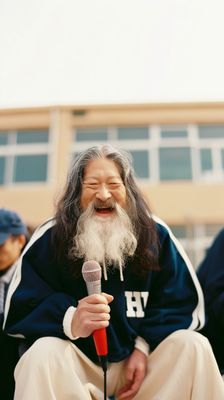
x=39 y=232
x=44 y=226
x=162 y=228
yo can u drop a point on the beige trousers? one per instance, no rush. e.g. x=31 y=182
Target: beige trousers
x=182 y=367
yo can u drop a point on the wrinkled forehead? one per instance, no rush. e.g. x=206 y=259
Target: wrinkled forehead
x=102 y=168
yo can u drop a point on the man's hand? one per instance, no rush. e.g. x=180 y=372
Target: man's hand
x=91 y=313
x=134 y=370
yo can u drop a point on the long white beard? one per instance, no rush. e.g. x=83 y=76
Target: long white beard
x=107 y=240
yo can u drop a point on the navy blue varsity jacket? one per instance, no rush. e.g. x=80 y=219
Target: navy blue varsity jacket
x=148 y=308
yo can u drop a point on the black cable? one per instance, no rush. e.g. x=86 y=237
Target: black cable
x=103 y=362
x=105 y=385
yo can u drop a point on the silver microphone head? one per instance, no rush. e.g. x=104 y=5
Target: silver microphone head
x=91 y=271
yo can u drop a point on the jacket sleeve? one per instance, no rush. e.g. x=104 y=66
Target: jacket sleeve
x=175 y=298
x=36 y=303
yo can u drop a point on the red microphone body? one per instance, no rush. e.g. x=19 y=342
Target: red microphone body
x=91 y=272
x=100 y=340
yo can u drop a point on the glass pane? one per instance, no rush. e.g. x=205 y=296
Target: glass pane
x=2 y=169
x=222 y=156
x=133 y=133
x=90 y=135
x=206 y=159
x=180 y=231
x=141 y=163
x=3 y=138
x=30 y=168
x=34 y=136
x=211 y=131
x=175 y=163
x=169 y=133
x=213 y=229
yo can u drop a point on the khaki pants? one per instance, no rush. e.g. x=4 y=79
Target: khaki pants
x=182 y=367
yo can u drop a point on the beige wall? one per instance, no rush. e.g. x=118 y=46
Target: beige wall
x=179 y=203
x=176 y=203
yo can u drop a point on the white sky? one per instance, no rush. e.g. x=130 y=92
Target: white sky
x=110 y=51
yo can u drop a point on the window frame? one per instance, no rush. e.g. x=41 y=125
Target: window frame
x=156 y=141
x=13 y=149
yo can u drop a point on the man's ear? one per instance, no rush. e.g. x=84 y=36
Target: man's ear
x=22 y=240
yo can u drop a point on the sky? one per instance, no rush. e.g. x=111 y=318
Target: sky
x=55 y=52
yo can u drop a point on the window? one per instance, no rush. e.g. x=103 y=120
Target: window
x=2 y=169
x=30 y=168
x=166 y=152
x=210 y=152
x=213 y=229
x=175 y=163
x=141 y=163
x=211 y=132
x=3 y=139
x=24 y=156
x=90 y=135
x=130 y=133
x=32 y=136
x=179 y=231
x=196 y=239
x=83 y=137
x=206 y=160
x=222 y=157
x=173 y=133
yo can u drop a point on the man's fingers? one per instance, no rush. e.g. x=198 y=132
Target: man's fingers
x=97 y=298
x=109 y=297
x=127 y=392
x=99 y=316
x=134 y=380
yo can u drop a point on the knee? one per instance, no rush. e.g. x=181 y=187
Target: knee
x=43 y=350
x=190 y=338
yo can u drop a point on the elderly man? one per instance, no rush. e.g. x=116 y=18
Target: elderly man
x=13 y=236
x=151 y=302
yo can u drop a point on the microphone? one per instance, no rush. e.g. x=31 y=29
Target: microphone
x=91 y=272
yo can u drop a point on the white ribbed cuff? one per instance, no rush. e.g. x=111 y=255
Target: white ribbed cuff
x=67 y=323
x=142 y=345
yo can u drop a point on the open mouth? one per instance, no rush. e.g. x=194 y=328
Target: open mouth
x=104 y=210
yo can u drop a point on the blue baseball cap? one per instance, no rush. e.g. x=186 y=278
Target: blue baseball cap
x=11 y=224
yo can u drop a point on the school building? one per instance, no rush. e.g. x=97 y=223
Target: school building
x=177 y=149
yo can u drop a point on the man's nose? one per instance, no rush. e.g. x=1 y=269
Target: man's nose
x=103 y=193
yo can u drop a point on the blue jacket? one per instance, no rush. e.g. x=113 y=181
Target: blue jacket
x=211 y=276
x=151 y=307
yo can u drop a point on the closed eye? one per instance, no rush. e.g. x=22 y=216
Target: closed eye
x=114 y=185
x=96 y=185
x=91 y=185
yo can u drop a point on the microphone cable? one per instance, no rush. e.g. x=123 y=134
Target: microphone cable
x=103 y=362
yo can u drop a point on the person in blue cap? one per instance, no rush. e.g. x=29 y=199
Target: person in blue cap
x=13 y=237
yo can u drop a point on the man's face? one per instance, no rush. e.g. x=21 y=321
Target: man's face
x=102 y=185
x=104 y=229
x=10 y=251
